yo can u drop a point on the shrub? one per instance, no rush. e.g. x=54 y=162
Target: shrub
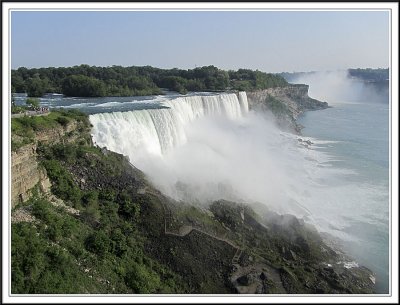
x=118 y=242
x=54 y=230
x=63 y=184
x=40 y=210
x=98 y=243
x=63 y=120
x=142 y=279
x=18 y=109
x=90 y=198
x=127 y=207
x=33 y=102
x=107 y=194
x=91 y=214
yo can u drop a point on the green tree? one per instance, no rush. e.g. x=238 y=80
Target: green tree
x=91 y=214
x=175 y=83
x=37 y=87
x=142 y=280
x=18 y=82
x=63 y=184
x=98 y=243
x=118 y=242
x=84 y=86
x=128 y=208
x=195 y=85
x=91 y=81
x=33 y=102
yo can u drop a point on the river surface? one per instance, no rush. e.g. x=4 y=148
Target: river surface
x=357 y=139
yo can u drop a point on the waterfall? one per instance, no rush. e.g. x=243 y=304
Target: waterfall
x=156 y=131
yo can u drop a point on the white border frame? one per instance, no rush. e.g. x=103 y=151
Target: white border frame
x=7 y=7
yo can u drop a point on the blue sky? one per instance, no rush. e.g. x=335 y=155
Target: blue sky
x=270 y=41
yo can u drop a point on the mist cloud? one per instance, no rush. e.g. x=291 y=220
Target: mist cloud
x=246 y=160
x=337 y=87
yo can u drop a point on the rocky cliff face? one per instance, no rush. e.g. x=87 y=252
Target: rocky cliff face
x=286 y=103
x=123 y=221
x=67 y=133
x=26 y=173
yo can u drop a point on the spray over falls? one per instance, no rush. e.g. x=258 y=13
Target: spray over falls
x=156 y=131
x=204 y=148
x=199 y=149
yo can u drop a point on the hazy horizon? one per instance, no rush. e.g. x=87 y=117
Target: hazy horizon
x=125 y=66
x=270 y=41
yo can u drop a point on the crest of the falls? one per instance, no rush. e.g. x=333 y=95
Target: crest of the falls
x=155 y=131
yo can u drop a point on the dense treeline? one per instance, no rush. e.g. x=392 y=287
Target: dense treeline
x=91 y=81
x=370 y=74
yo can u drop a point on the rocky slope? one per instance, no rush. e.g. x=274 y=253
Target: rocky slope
x=124 y=236
x=286 y=103
x=26 y=173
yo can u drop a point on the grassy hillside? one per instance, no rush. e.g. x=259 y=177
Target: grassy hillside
x=105 y=229
x=97 y=249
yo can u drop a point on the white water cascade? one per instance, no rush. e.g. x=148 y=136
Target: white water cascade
x=199 y=149
x=204 y=148
x=156 y=131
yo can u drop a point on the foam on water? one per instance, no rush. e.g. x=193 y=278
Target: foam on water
x=79 y=105
x=158 y=130
x=216 y=148
x=357 y=135
x=207 y=147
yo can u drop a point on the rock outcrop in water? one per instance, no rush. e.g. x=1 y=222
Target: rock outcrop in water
x=286 y=103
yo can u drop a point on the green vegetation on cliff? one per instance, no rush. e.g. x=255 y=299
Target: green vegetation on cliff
x=23 y=128
x=62 y=253
x=31 y=104
x=105 y=229
x=97 y=249
x=91 y=81
x=277 y=107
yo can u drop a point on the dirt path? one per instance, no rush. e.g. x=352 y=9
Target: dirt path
x=270 y=272
x=186 y=229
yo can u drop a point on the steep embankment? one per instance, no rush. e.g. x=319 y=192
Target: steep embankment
x=286 y=103
x=124 y=236
x=86 y=236
x=26 y=174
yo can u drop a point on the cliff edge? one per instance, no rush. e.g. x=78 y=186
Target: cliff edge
x=105 y=229
x=29 y=133
x=285 y=103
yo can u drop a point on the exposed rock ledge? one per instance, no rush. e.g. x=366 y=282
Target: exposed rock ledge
x=286 y=103
x=25 y=170
x=26 y=174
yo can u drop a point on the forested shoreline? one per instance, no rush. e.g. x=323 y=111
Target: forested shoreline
x=92 y=81
x=374 y=75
